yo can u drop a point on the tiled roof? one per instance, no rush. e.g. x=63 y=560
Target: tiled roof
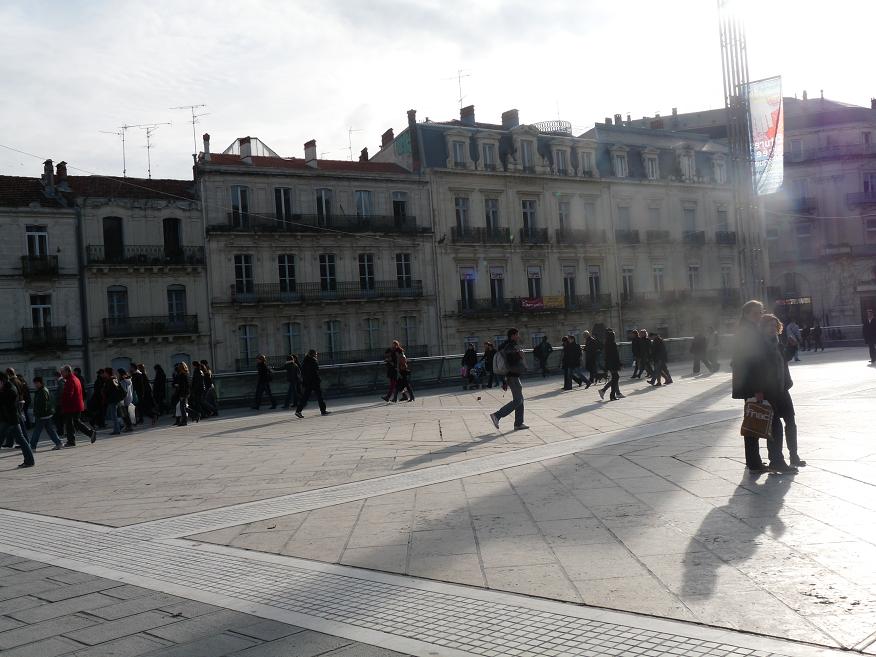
x=20 y=192
x=142 y=188
x=299 y=164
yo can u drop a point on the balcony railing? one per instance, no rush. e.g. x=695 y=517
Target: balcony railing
x=484 y=307
x=725 y=236
x=591 y=302
x=626 y=236
x=657 y=236
x=145 y=255
x=694 y=237
x=578 y=236
x=534 y=236
x=44 y=337
x=526 y=306
x=129 y=327
x=314 y=292
x=309 y=223
x=861 y=198
x=480 y=235
x=36 y=266
x=803 y=204
x=336 y=358
x=840 y=150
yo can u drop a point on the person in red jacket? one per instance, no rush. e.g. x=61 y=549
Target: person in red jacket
x=72 y=407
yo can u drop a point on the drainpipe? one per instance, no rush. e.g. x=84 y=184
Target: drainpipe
x=616 y=254
x=435 y=269
x=83 y=296
x=210 y=317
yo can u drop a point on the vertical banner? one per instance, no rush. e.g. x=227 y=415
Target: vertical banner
x=767 y=121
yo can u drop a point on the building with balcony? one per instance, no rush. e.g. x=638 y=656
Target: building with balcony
x=41 y=324
x=309 y=253
x=550 y=232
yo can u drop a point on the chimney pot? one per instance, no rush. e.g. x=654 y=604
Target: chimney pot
x=607 y=120
x=629 y=120
x=467 y=115
x=61 y=172
x=805 y=95
x=674 y=111
x=386 y=138
x=873 y=103
x=363 y=156
x=310 y=153
x=618 y=119
x=510 y=119
x=206 y=146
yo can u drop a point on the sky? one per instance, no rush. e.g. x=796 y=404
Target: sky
x=287 y=72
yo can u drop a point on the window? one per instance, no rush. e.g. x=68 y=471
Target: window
x=323 y=206
x=723 y=223
x=726 y=276
x=569 y=291
x=796 y=149
x=529 y=215
x=870 y=230
x=403 y=271
x=654 y=218
x=172 y=232
x=586 y=162
x=560 y=162
x=564 y=215
x=590 y=220
x=688 y=168
x=176 y=303
x=527 y=155
x=292 y=338
x=690 y=219
x=624 y=222
x=409 y=330
x=497 y=286
x=366 y=271
x=658 y=279
x=117 y=303
x=113 y=240
x=620 y=165
x=239 y=206
x=460 y=204
x=533 y=277
x=37 y=241
x=243 y=280
x=459 y=154
x=693 y=277
x=593 y=280
x=363 y=203
x=491 y=214
x=372 y=333
x=283 y=204
x=865 y=138
x=627 y=276
x=489 y=157
x=286 y=272
x=467 y=278
x=870 y=182
x=720 y=172
x=41 y=310
x=651 y=170
x=399 y=206
x=327 y=275
x=249 y=347
x=332 y=337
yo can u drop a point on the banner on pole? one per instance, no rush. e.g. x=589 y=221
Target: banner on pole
x=767 y=120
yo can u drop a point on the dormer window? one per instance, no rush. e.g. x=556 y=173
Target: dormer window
x=527 y=155
x=585 y=163
x=561 y=162
x=720 y=168
x=489 y=157
x=459 y=154
x=620 y=165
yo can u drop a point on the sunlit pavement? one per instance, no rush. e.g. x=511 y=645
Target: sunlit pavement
x=639 y=505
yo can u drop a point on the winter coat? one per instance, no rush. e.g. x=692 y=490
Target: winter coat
x=128 y=387
x=293 y=372
x=591 y=352
x=515 y=365
x=470 y=358
x=183 y=387
x=750 y=353
x=699 y=345
x=869 y=331
x=159 y=386
x=43 y=405
x=658 y=351
x=71 y=396
x=636 y=346
x=612 y=357
x=264 y=372
x=9 y=404
x=488 y=357
x=198 y=388
x=310 y=372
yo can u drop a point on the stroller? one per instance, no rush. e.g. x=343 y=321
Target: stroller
x=475 y=376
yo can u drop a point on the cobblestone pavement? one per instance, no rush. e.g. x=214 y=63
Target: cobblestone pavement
x=639 y=505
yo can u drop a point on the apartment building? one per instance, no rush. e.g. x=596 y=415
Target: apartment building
x=556 y=233
x=308 y=253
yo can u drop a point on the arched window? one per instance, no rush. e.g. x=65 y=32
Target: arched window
x=176 y=303
x=173 y=251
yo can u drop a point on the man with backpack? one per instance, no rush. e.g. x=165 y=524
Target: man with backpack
x=43 y=414
x=509 y=362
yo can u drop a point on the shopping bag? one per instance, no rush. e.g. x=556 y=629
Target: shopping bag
x=757 y=419
x=132 y=413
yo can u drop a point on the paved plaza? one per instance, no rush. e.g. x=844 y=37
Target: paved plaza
x=622 y=528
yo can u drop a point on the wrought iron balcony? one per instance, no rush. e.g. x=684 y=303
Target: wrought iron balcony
x=861 y=198
x=590 y=302
x=484 y=307
x=725 y=236
x=336 y=358
x=44 y=337
x=313 y=223
x=578 y=236
x=480 y=235
x=316 y=292
x=656 y=236
x=534 y=236
x=39 y=266
x=694 y=237
x=144 y=255
x=131 y=327
x=626 y=236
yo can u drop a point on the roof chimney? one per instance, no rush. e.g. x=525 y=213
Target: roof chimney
x=245 y=148
x=510 y=119
x=415 y=140
x=386 y=138
x=629 y=120
x=467 y=115
x=805 y=95
x=48 y=175
x=607 y=120
x=674 y=111
x=822 y=94
x=363 y=156
x=618 y=119
x=310 y=153
x=206 y=147
x=873 y=103
x=61 y=172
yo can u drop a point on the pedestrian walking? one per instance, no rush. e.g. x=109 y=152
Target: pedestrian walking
x=469 y=360
x=636 y=348
x=146 y=403
x=487 y=359
x=404 y=373
x=311 y=383
x=126 y=406
x=20 y=399
x=58 y=417
x=793 y=338
x=197 y=392
x=571 y=362
x=293 y=381
x=391 y=369
x=43 y=412
x=869 y=332
x=659 y=357
x=805 y=334
x=699 y=349
x=72 y=407
x=613 y=366
x=10 y=426
x=211 y=396
x=181 y=391
x=26 y=410
x=263 y=385
x=138 y=383
x=159 y=389
x=646 y=345
x=541 y=352
x=592 y=347
x=510 y=363
x=713 y=348
x=779 y=375
x=817 y=332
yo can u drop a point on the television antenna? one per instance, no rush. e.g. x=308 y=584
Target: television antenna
x=150 y=129
x=195 y=116
x=460 y=73
x=350 y=132
x=120 y=132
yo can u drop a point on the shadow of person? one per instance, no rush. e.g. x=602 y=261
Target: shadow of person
x=450 y=450
x=731 y=532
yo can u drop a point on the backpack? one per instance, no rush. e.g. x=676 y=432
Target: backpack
x=500 y=365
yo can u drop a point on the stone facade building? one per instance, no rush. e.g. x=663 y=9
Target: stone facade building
x=311 y=253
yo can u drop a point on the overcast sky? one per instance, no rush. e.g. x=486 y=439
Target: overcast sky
x=290 y=71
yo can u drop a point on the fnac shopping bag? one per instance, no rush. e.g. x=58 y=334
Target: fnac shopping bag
x=757 y=419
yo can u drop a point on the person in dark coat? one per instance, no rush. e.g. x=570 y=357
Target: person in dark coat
x=659 y=358
x=159 y=389
x=487 y=358
x=515 y=365
x=391 y=368
x=636 y=349
x=592 y=347
x=263 y=385
x=181 y=391
x=138 y=383
x=541 y=352
x=293 y=381
x=10 y=426
x=146 y=407
x=197 y=392
x=816 y=337
x=211 y=396
x=869 y=332
x=645 y=350
x=613 y=366
x=404 y=374
x=699 y=349
x=469 y=360
x=311 y=383
x=780 y=391
x=571 y=361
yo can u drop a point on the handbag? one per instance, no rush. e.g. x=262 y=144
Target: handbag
x=757 y=419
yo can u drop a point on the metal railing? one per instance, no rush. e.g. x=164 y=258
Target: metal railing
x=128 y=327
x=528 y=306
x=860 y=198
x=579 y=236
x=534 y=236
x=316 y=292
x=805 y=204
x=694 y=236
x=308 y=223
x=145 y=255
x=480 y=235
x=590 y=302
x=623 y=236
x=336 y=358
x=657 y=235
x=35 y=266
x=725 y=236
x=839 y=150
x=44 y=337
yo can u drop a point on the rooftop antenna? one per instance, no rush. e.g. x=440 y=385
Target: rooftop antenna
x=194 y=121
x=120 y=132
x=150 y=130
x=460 y=73
x=350 y=132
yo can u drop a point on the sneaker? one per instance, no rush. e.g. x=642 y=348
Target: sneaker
x=520 y=427
x=69 y=444
x=602 y=394
x=298 y=414
x=494 y=419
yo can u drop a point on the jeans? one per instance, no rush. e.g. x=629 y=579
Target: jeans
x=12 y=432
x=48 y=424
x=774 y=445
x=306 y=397
x=516 y=403
x=291 y=395
x=613 y=384
x=403 y=385
x=181 y=410
x=112 y=415
x=263 y=387
x=784 y=412
x=72 y=424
